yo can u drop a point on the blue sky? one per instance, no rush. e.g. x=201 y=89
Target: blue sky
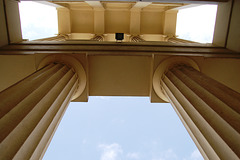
x=121 y=128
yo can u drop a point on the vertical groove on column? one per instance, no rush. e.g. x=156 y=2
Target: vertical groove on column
x=193 y=130
x=43 y=144
x=217 y=121
x=10 y=120
x=225 y=112
x=40 y=108
x=28 y=84
x=33 y=140
x=225 y=94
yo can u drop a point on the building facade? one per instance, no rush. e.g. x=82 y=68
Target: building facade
x=40 y=78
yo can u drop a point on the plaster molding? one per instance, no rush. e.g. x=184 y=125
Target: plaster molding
x=163 y=67
x=71 y=62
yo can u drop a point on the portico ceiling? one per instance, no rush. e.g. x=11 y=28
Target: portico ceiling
x=103 y=17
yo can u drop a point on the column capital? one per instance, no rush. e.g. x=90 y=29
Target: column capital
x=163 y=67
x=98 y=37
x=71 y=62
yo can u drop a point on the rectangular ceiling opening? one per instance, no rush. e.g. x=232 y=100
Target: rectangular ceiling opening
x=100 y=20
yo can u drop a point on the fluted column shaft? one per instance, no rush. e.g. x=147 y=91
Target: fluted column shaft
x=209 y=110
x=31 y=110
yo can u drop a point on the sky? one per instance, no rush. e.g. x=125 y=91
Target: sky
x=197 y=23
x=38 y=20
x=120 y=128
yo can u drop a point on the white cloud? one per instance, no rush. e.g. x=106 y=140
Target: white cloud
x=111 y=152
x=118 y=121
x=104 y=97
x=167 y=155
x=196 y=155
x=133 y=155
x=84 y=141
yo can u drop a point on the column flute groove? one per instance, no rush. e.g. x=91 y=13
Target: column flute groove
x=28 y=85
x=204 y=147
x=33 y=140
x=29 y=122
x=229 y=111
x=209 y=110
x=229 y=97
x=43 y=144
x=204 y=109
x=10 y=121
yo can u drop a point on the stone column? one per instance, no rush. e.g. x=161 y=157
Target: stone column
x=31 y=109
x=209 y=110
